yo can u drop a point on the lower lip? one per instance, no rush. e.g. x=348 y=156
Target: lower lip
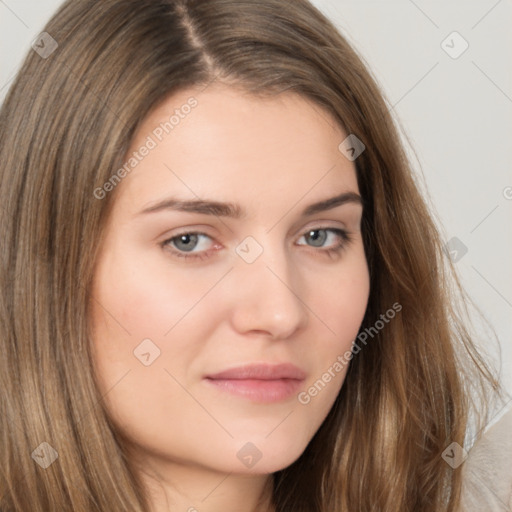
x=264 y=391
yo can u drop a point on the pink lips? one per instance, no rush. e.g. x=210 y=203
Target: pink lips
x=260 y=382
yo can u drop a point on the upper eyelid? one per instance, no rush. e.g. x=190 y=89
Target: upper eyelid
x=319 y=224
x=193 y=231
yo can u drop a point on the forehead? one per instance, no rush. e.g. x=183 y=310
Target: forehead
x=224 y=143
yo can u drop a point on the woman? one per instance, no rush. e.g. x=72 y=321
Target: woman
x=222 y=288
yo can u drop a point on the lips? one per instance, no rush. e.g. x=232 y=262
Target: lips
x=261 y=372
x=259 y=382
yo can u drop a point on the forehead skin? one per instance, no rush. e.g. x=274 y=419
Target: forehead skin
x=233 y=143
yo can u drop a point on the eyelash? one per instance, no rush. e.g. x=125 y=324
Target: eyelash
x=346 y=239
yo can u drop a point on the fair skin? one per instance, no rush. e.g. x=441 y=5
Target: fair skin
x=294 y=303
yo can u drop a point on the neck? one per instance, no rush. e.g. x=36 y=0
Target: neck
x=189 y=488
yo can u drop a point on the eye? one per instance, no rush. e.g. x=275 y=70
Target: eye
x=187 y=242
x=333 y=238
x=188 y=245
x=196 y=245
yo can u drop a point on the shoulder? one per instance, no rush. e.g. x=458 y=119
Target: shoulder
x=487 y=472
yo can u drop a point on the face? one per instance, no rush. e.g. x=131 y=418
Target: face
x=231 y=280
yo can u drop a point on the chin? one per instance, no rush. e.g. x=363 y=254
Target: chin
x=266 y=456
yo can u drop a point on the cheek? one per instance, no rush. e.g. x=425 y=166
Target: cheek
x=339 y=300
x=146 y=300
x=136 y=315
x=139 y=311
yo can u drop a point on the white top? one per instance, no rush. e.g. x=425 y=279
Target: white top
x=487 y=471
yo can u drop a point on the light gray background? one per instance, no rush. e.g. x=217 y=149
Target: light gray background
x=455 y=112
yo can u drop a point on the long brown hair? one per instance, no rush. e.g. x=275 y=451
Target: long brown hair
x=66 y=125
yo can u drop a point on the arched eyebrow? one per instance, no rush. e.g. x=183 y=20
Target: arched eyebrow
x=235 y=211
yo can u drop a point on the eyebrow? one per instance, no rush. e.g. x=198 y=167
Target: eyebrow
x=234 y=211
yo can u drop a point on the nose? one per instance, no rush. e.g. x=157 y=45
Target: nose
x=269 y=298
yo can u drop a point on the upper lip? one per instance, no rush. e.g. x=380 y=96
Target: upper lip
x=260 y=372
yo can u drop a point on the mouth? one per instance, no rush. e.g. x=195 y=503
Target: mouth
x=262 y=383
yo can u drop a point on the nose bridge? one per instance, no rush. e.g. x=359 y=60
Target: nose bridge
x=268 y=289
